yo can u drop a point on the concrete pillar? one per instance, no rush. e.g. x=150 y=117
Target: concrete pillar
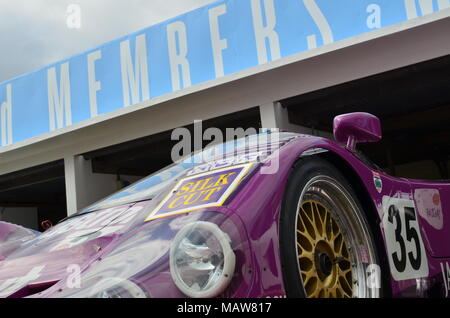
x=84 y=187
x=273 y=115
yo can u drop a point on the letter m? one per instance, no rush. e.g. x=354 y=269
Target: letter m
x=59 y=100
x=134 y=79
x=226 y=307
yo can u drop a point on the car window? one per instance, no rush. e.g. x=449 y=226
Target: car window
x=150 y=186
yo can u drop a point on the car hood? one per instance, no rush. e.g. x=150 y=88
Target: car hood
x=74 y=245
x=31 y=274
x=45 y=259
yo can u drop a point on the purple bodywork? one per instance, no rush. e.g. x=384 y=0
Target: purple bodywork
x=118 y=241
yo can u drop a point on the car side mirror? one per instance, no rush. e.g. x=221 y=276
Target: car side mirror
x=351 y=129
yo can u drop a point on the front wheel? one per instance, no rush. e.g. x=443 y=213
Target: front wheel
x=327 y=249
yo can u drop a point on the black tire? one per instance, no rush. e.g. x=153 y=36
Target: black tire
x=318 y=184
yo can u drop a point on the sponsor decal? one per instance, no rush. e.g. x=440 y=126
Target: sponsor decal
x=405 y=248
x=11 y=285
x=429 y=207
x=377 y=181
x=200 y=191
x=226 y=162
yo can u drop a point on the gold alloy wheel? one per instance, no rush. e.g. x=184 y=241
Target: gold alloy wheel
x=323 y=255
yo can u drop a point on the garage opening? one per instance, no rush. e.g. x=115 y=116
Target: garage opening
x=413 y=104
x=130 y=161
x=31 y=196
x=147 y=155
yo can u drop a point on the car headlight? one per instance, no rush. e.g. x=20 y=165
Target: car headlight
x=116 y=288
x=201 y=260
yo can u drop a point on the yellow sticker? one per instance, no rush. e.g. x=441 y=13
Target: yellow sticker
x=200 y=191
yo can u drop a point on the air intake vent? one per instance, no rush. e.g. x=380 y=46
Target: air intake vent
x=32 y=289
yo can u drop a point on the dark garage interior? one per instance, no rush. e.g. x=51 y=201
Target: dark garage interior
x=413 y=104
x=31 y=196
x=144 y=156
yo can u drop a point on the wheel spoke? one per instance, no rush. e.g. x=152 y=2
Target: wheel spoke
x=304 y=241
x=318 y=220
x=346 y=286
x=304 y=253
x=308 y=223
x=307 y=212
x=312 y=286
x=329 y=228
x=338 y=243
x=321 y=244
x=334 y=292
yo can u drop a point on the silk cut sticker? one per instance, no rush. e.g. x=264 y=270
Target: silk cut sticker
x=200 y=191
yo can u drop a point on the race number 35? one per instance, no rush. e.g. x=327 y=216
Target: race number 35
x=405 y=248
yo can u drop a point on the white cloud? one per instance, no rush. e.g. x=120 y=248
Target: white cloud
x=34 y=32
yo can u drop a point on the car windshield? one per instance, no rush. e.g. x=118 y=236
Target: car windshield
x=147 y=188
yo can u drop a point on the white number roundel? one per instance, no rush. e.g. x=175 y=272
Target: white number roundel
x=405 y=248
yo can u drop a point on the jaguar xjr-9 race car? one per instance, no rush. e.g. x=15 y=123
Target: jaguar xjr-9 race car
x=270 y=215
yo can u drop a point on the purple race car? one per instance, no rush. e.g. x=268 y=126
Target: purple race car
x=270 y=215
